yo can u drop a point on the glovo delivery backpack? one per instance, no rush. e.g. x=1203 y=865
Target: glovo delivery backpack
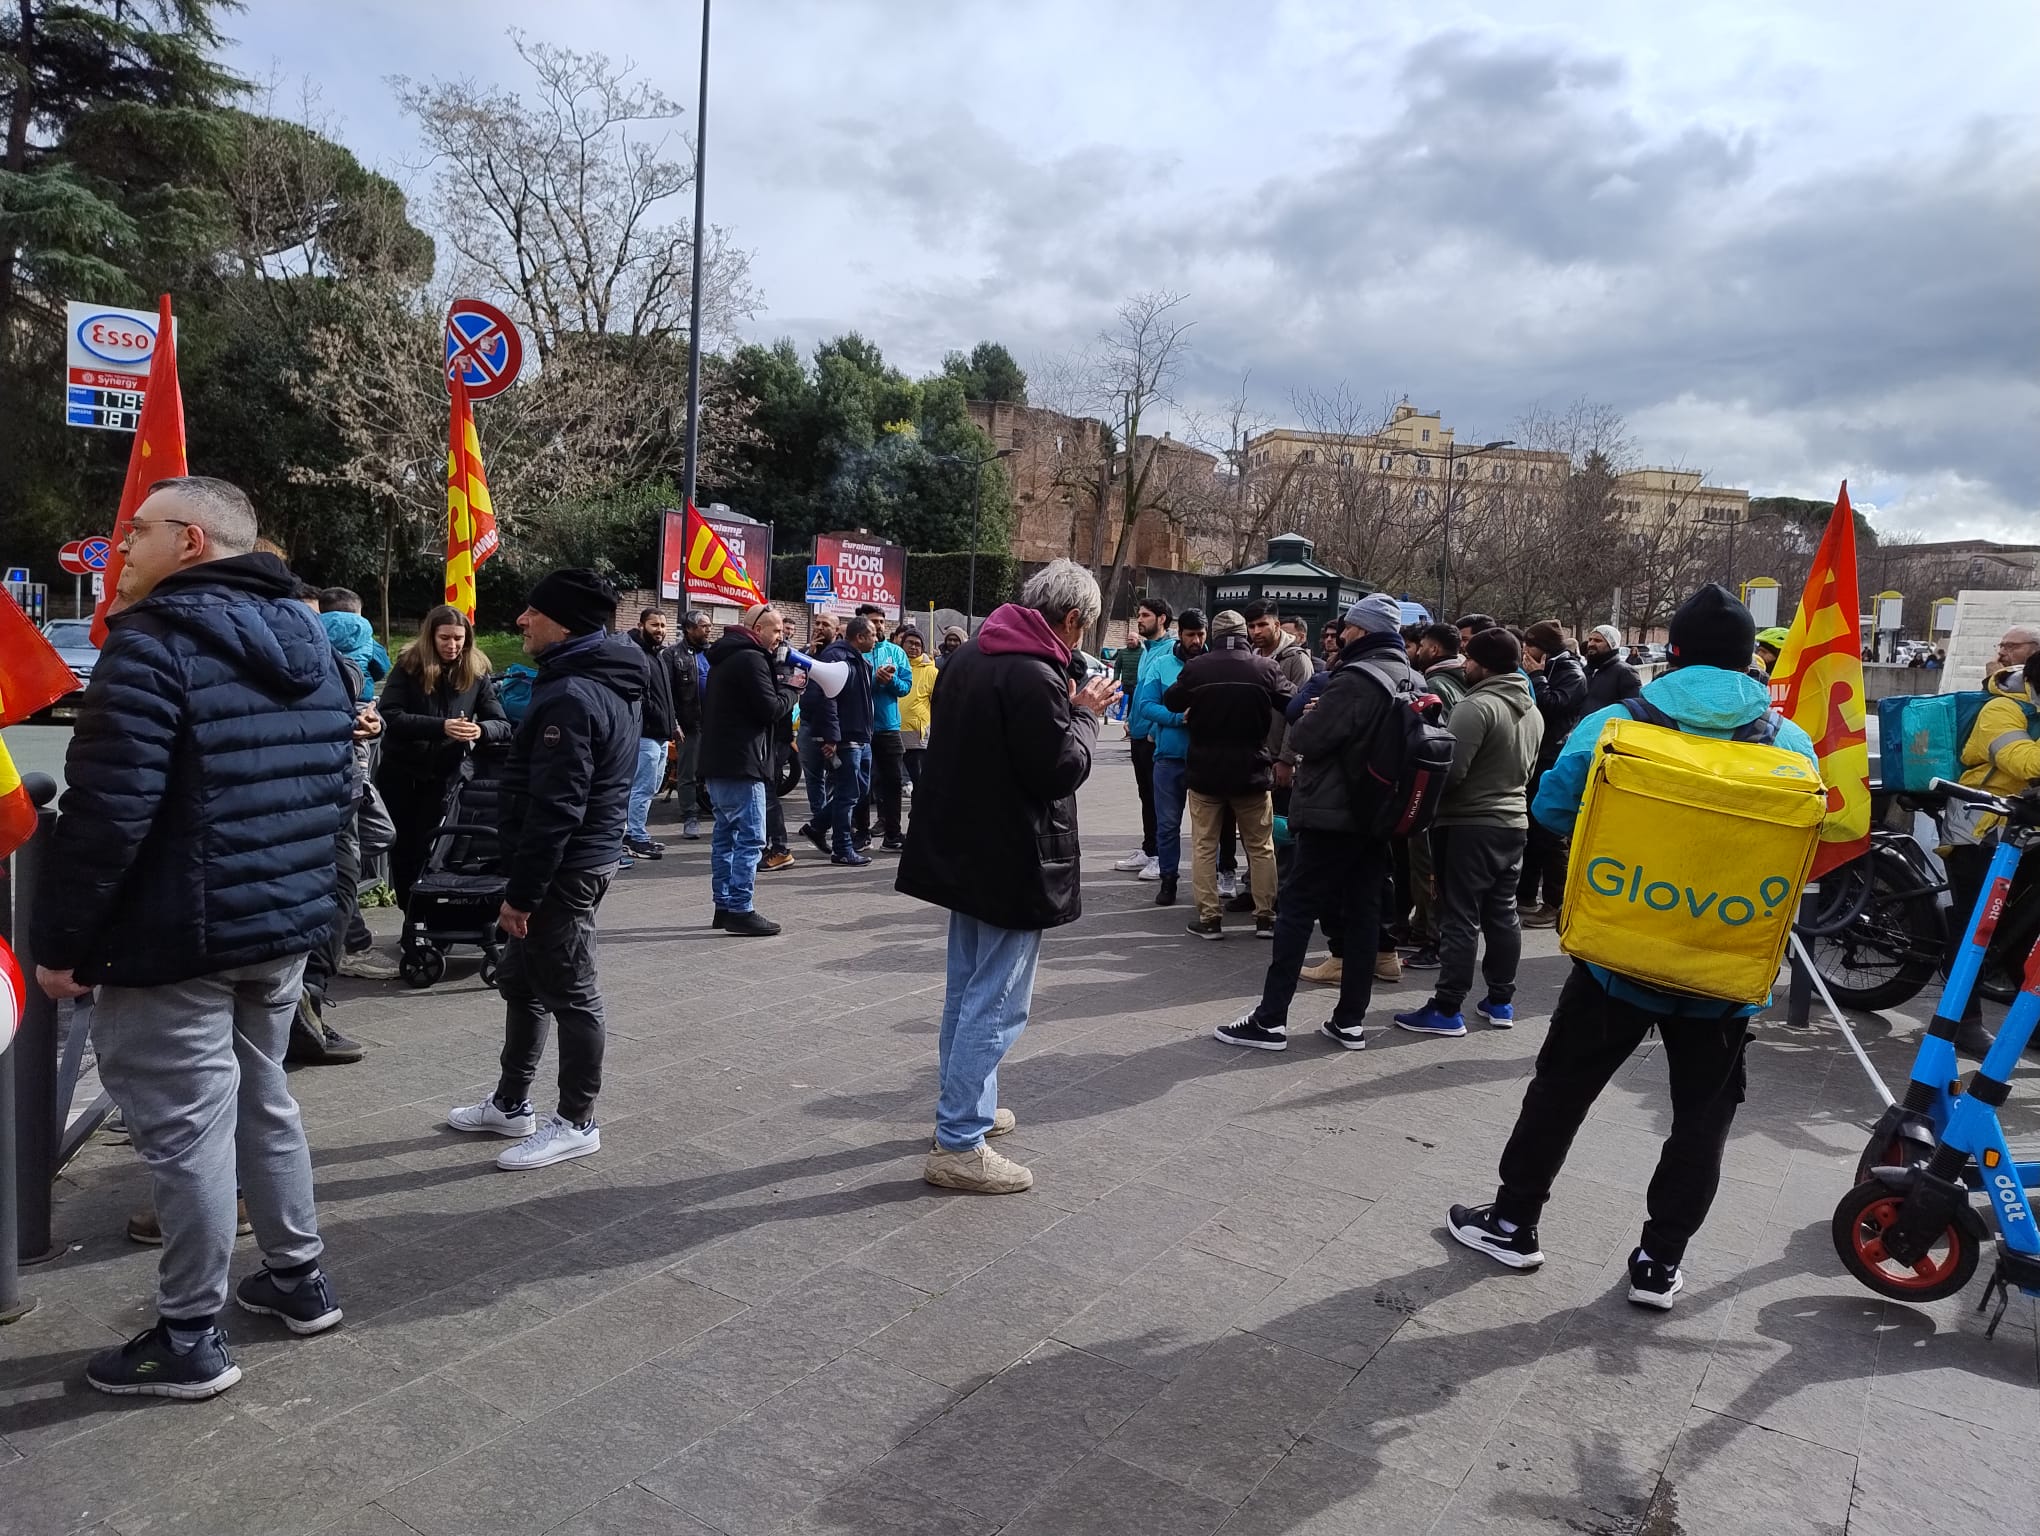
x=1689 y=856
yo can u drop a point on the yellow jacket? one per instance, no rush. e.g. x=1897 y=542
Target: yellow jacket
x=914 y=709
x=2001 y=754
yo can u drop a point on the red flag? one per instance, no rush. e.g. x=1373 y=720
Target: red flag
x=714 y=566
x=32 y=674
x=158 y=453
x=470 y=516
x=1818 y=685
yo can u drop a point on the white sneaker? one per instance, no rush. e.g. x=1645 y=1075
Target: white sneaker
x=369 y=966
x=1228 y=886
x=1151 y=870
x=554 y=1141
x=1134 y=860
x=486 y=1116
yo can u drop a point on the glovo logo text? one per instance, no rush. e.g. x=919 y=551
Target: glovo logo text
x=1633 y=883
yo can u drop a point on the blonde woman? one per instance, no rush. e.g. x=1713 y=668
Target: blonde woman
x=438 y=703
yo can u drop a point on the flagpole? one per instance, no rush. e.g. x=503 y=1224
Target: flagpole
x=694 y=295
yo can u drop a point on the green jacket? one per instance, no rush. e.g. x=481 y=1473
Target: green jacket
x=1496 y=731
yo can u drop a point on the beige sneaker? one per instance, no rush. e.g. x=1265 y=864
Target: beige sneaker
x=1329 y=971
x=1003 y=1121
x=1387 y=967
x=980 y=1171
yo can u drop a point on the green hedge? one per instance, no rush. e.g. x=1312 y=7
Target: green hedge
x=933 y=580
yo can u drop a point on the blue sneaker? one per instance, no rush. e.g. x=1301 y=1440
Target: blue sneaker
x=1501 y=1015
x=1427 y=1020
x=309 y=1307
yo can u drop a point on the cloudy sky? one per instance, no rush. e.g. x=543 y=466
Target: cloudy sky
x=1791 y=243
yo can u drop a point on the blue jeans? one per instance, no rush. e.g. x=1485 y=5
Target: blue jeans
x=1170 y=794
x=651 y=768
x=814 y=772
x=848 y=783
x=736 y=842
x=991 y=985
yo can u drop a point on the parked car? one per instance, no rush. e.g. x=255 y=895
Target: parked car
x=72 y=639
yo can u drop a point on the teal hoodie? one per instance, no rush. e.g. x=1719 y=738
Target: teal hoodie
x=885 y=697
x=1159 y=668
x=1152 y=653
x=1706 y=701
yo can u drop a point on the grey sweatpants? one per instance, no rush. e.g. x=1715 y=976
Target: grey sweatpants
x=197 y=1070
x=1478 y=866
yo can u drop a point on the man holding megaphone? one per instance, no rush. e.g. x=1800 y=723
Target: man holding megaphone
x=840 y=725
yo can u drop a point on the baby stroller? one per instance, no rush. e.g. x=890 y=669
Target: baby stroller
x=455 y=900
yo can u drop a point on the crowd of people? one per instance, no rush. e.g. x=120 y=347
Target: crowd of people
x=1408 y=791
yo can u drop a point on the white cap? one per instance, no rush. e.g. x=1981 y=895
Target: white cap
x=1609 y=633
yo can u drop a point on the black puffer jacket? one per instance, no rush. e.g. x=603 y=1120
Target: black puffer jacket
x=1229 y=696
x=208 y=774
x=743 y=708
x=1609 y=681
x=994 y=832
x=655 y=712
x=1561 y=690
x=1349 y=710
x=566 y=788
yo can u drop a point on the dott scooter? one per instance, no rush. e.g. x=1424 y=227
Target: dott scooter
x=1908 y=1230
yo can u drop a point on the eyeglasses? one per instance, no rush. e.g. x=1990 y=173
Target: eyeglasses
x=139 y=524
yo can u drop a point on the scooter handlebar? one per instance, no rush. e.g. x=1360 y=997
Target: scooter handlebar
x=1971 y=796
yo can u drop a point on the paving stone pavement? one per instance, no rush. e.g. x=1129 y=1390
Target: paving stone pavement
x=1227 y=1305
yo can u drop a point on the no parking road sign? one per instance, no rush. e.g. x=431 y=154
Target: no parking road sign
x=483 y=344
x=95 y=552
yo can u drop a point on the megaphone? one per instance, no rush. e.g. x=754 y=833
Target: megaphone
x=829 y=676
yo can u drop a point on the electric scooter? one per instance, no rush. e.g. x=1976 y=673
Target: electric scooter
x=1908 y=1230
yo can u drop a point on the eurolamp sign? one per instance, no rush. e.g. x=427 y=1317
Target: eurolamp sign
x=867 y=570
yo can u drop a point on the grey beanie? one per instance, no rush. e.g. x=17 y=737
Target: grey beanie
x=1375 y=614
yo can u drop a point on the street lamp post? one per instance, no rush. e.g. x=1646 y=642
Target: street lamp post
x=977 y=471
x=1445 y=555
x=694 y=295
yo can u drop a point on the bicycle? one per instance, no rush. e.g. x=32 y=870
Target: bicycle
x=1907 y=1229
x=1877 y=934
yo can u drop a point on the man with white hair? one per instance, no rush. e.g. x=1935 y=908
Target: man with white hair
x=208 y=775
x=2019 y=642
x=1610 y=679
x=994 y=840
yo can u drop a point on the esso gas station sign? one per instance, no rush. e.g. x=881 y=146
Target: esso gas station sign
x=107 y=353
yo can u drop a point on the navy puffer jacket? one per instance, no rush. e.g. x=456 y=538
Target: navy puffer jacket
x=207 y=776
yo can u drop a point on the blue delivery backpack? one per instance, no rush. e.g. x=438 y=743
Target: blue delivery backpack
x=1920 y=736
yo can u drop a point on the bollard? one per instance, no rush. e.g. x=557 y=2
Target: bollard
x=1799 y=995
x=38 y=1118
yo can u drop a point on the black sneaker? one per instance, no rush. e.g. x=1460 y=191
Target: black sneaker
x=894 y=845
x=644 y=848
x=1264 y=927
x=314 y=1042
x=146 y=1366
x=721 y=918
x=339 y=1048
x=1652 y=1284
x=749 y=925
x=1475 y=1226
x=1243 y=902
x=1347 y=1036
x=816 y=835
x=1250 y=1032
x=1207 y=927
x=854 y=859
x=1165 y=892
x=310 y=1308
x=1425 y=959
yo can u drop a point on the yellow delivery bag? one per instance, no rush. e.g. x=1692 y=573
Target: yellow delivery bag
x=1688 y=859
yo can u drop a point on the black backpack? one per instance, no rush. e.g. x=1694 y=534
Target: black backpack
x=1397 y=776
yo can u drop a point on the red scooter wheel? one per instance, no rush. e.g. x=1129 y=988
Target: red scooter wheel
x=1862 y=1218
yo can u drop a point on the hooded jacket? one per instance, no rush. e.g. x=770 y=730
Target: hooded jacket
x=353 y=642
x=914 y=713
x=1228 y=697
x=1294 y=663
x=742 y=708
x=1350 y=708
x=1447 y=679
x=848 y=716
x=886 y=696
x=994 y=832
x=1705 y=701
x=207 y=778
x=655 y=712
x=2000 y=754
x=566 y=787
x=1154 y=655
x=1163 y=726
x=1561 y=690
x=1496 y=732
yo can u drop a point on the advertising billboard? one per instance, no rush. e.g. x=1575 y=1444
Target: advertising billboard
x=720 y=560
x=865 y=570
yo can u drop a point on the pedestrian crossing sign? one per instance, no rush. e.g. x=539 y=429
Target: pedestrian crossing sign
x=821 y=583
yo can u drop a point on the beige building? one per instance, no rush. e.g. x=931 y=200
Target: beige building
x=1649 y=498
x=1068 y=494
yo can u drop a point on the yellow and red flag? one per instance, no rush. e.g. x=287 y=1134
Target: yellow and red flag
x=1818 y=686
x=470 y=516
x=32 y=675
x=713 y=569
x=158 y=453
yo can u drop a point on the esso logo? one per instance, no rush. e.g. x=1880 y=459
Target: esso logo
x=117 y=338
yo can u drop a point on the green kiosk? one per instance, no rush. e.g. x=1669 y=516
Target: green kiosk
x=1291 y=579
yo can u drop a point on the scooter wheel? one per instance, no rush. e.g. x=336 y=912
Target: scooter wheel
x=1883 y=1152
x=1862 y=1218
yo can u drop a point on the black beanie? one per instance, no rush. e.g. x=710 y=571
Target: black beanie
x=1495 y=650
x=1713 y=629
x=580 y=602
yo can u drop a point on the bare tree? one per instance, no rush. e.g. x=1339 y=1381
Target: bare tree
x=1133 y=374
x=558 y=206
